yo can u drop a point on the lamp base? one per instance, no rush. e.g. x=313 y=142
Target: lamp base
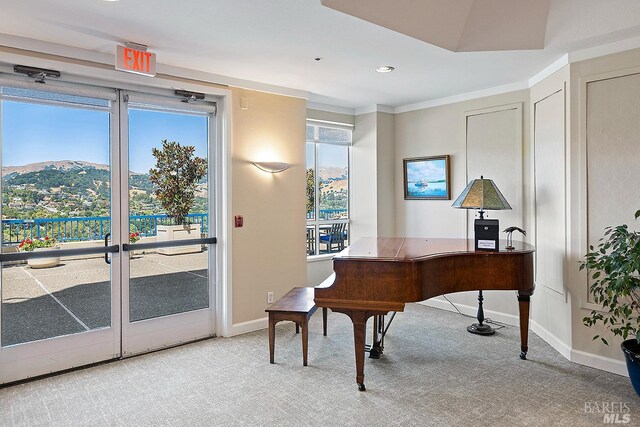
x=481 y=329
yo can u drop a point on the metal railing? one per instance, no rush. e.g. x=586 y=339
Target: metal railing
x=328 y=214
x=87 y=228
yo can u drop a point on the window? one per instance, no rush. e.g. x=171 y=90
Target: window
x=327 y=188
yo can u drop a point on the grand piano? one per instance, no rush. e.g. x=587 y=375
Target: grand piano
x=375 y=276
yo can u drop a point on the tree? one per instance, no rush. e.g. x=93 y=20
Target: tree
x=175 y=177
x=310 y=190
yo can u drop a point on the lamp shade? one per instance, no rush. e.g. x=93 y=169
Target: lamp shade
x=481 y=194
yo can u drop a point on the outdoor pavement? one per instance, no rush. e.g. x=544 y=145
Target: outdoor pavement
x=75 y=296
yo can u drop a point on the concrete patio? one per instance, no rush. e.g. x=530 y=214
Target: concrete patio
x=75 y=296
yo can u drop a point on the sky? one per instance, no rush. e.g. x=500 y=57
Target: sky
x=328 y=155
x=433 y=170
x=33 y=133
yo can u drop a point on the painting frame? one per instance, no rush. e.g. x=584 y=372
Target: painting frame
x=415 y=177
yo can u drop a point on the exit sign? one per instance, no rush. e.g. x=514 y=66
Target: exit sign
x=135 y=60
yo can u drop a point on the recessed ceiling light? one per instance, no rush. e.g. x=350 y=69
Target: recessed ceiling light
x=385 y=69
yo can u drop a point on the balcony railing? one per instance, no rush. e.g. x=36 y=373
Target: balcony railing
x=329 y=214
x=86 y=228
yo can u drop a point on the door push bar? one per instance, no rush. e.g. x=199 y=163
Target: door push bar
x=126 y=247
x=106 y=249
x=23 y=256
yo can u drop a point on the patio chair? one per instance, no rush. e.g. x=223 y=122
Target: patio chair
x=335 y=237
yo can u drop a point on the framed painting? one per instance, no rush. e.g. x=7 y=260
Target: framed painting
x=426 y=178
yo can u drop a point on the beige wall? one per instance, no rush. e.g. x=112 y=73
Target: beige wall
x=443 y=130
x=605 y=106
x=268 y=253
x=580 y=122
x=363 y=197
x=385 y=162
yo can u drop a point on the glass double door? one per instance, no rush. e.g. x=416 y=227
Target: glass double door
x=95 y=265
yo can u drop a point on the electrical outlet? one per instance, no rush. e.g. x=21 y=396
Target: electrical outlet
x=269 y=297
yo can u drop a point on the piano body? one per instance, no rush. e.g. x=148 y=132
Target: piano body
x=374 y=276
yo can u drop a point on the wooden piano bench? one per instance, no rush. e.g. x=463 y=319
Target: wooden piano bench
x=296 y=306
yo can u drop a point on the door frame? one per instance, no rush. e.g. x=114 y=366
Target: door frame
x=85 y=73
x=35 y=358
x=166 y=331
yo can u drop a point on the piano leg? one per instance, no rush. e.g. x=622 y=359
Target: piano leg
x=523 y=302
x=359 y=319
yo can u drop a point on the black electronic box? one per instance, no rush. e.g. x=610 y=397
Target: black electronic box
x=486 y=232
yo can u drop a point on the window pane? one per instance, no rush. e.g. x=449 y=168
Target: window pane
x=170 y=280
x=333 y=181
x=55 y=193
x=53 y=96
x=309 y=133
x=334 y=136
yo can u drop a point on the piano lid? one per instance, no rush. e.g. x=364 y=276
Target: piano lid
x=410 y=248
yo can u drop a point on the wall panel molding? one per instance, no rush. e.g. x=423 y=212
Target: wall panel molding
x=549 y=148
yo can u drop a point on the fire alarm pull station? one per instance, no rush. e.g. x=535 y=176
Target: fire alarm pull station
x=239 y=221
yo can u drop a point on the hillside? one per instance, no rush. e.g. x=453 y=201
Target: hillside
x=66 y=188
x=61 y=165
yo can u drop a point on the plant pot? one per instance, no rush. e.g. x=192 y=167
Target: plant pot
x=44 y=262
x=179 y=232
x=631 y=350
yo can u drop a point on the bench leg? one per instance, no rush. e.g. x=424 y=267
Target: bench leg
x=272 y=337
x=297 y=328
x=324 y=320
x=305 y=341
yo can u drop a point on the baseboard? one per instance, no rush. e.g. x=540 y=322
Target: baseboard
x=507 y=319
x=580 y=357
x=555 y=342
x=250 y=326
x=599 y=362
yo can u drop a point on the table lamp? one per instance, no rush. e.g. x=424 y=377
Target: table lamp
x=483 y=194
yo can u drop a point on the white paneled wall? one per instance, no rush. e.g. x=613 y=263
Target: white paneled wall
x=494 y=150
x=549 y=178
x=613 y=150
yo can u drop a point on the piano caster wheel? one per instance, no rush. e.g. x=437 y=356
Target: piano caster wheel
x=523 y=355
x=361 y=387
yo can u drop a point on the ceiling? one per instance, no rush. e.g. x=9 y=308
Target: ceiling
x=276 y=41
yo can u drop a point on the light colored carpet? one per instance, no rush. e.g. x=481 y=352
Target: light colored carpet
x=433 y=372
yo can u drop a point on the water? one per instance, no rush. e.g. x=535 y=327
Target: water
x=434 y=189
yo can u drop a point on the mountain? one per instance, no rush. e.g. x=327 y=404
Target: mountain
x=61 y=165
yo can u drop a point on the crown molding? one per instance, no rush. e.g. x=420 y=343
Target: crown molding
x=376 y=108
x=330 y=108
x=550 y=69
x=605 y=49
x=462 y=97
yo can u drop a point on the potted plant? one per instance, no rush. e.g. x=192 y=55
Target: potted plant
x=134 y=236
x=175 y=177
x=614 y=267
x=41 y=244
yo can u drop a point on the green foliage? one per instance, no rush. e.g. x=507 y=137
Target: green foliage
x=614 y=267
x=175 y=176
x=310 y=190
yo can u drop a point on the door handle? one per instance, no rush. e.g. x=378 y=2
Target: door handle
x=106 y=243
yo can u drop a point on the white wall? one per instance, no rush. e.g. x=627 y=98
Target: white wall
x=549 y=115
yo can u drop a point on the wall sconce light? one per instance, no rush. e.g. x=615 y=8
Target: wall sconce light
x=272 y=167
